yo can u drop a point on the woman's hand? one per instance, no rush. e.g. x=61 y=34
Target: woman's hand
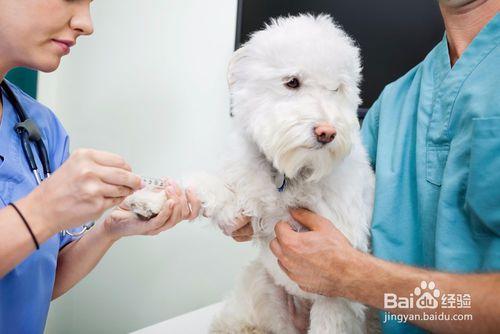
x=86 y=185
x=122 y=223
x=180 y=206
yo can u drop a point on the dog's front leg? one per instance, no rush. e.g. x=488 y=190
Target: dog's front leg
x=218 y=199
x=337 y=316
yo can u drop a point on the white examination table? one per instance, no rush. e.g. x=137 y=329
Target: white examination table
x=195 y=322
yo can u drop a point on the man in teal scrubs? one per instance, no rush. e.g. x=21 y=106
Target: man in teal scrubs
x=434 y=140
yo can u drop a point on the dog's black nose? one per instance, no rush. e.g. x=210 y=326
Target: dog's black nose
x=325 y=133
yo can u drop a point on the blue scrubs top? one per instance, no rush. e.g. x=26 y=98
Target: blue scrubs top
x=26 y=291
x=434 y=140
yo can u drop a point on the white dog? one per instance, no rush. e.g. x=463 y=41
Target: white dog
x=294 y=91
x=294 y=94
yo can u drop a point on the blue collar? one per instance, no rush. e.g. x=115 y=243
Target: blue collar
x=280 y=181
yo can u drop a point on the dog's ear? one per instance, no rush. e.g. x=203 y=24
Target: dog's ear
x=237 y=56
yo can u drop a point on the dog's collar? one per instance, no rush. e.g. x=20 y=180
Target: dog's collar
x=280 y=181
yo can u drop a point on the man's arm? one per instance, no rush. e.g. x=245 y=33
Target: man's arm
x=376 y=277
x=323 y=261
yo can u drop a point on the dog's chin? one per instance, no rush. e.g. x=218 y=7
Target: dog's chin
x=305 y=159
x=311 y=164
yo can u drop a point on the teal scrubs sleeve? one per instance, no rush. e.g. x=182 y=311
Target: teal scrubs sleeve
x=369 y=132
x=434 y=140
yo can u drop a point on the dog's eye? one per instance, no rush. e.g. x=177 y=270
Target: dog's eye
x=293 y=83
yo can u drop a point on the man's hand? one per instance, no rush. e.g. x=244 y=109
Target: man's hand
x=321 y=260
x=244 y=230
x=300 y=312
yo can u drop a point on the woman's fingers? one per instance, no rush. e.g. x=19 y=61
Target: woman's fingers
x=185 y=207
x=163 y=216
x=194 y=203
x=121 y=215
x=180 y=205
x=108 y=190
x=106 y=159
x=176 y=216
x=119 y=177
x=169 y=220
x=110 y=202
x=181 y=195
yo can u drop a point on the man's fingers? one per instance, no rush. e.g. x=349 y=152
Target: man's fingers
x=291 y=306
x=300 y=316
x=119 y=177
x=285 y=270
x=242 y=221
x=276 y=248
x=309 y=219
x=245 y=231
x=242 y=239
x=284 y=231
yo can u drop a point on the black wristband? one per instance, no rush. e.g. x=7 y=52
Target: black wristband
x=26 y=223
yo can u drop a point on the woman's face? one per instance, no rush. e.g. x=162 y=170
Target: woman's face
x=38 y=33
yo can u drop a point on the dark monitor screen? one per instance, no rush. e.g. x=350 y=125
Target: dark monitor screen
x=394 y=35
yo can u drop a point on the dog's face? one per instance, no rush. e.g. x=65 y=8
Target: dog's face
x=294 y=91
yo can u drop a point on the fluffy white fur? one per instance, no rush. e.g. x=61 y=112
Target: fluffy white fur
x=275 y=134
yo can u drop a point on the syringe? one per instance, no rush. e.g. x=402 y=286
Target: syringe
x=154 y=182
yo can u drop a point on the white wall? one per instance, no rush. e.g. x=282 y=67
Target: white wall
x=150 y=85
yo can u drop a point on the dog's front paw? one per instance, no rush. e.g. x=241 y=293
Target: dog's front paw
x=146 y=203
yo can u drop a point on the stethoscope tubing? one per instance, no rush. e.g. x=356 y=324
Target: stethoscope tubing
x=28 y=132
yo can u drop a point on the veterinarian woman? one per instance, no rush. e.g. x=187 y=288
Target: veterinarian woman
x=434 y=139
x=39 y=259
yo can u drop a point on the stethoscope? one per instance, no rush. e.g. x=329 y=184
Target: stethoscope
x=29 y=133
